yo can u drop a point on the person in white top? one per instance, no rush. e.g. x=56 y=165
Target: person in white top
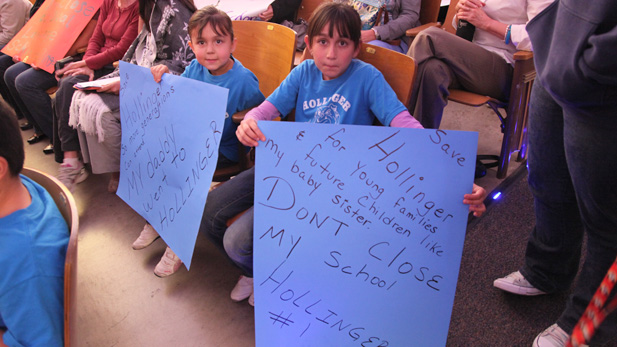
x=482 y=66
x=13 y=16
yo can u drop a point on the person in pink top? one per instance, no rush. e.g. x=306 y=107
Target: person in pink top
x=114 y=33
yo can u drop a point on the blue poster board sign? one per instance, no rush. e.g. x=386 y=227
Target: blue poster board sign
x=358 y=233
x=170 y=138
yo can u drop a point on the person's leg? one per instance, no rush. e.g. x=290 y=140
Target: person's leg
x=401 y=48
x=72 y=170
x=226 y=202
x=238 y=242
x=591 y=154
x=10 y=75
x=5 y=63
x=554 y=246
x=68 y=136
x=445 y=60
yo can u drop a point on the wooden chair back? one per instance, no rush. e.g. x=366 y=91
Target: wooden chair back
x=429 y=11
x=447 y=22
x=267 y=49
x=398 y=69
x=68 y=208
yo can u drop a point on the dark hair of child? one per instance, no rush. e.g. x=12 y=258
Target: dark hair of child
x=11 y=143
x=219 y=20
x=339 y=16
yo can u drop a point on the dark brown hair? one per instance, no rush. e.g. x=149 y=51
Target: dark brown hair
x=341 y=17
x=219 y=20
x=11 y=143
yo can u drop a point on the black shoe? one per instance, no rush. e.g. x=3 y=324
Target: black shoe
x=49 y=149
x=25 y=126
x=35 y=138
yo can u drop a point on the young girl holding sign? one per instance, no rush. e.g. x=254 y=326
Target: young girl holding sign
x=213 y=42
x=333 y=39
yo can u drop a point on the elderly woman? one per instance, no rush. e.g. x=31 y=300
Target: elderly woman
x=403 y=14
x=163 y=40
x=482 y=66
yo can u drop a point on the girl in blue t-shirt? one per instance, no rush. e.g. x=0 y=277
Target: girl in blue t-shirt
x=213 y=42
x=331 y=88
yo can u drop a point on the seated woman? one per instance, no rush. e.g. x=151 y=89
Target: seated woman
x=115 y=30
x=20 y=78
x=98 y=114
x=280 y=10
x=483 y=66
x=403 y=14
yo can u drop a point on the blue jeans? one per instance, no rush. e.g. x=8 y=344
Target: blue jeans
x=402 y=48
x=30 y=85
x=223 y=203
x=572 y=175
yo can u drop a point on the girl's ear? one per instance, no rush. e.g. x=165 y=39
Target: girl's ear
x=357 y=51
x=307 y=42
x=234 y=43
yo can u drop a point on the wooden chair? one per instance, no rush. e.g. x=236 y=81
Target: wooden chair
x=267 y=49
x=429 y=11
x=514 y=123
x=68 y=208
x=398 y=69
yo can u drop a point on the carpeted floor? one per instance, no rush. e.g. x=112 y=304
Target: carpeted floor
x=494 y=247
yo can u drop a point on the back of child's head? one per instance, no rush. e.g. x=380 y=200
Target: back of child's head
x=11 y=143
x=337 y=16
x=210 y=15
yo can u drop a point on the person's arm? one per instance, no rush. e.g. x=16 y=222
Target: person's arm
x=12 y=20
x=518 y=33
x=405 y=120
x=96 y=60
x=408 y=18
x=283 y=9
x=248 y=132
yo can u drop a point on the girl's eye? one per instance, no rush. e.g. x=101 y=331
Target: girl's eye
x=321 y=42
x=200 y=42
x=343 y=43
x=219 y=41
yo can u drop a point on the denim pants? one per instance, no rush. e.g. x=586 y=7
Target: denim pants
x=573 y=177
x=223 y=203
x=28 y=87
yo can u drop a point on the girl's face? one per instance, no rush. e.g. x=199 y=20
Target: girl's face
x=332 y=55
x=213 y=51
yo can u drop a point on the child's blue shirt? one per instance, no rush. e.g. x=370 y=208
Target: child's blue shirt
x=356 y=97
x=243 y=93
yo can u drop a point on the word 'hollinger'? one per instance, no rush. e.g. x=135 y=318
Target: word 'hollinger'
x=336 y=98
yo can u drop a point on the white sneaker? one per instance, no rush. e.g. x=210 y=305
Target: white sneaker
x=71 y=175
x=243 y=289
x=169 y=264
x=146 y=237
x=252 y=299
x=553 y=336
x=515 y=283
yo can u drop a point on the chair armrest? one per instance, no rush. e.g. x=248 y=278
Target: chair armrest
x=413 y=32
x=238 y=117
x=523 y=55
